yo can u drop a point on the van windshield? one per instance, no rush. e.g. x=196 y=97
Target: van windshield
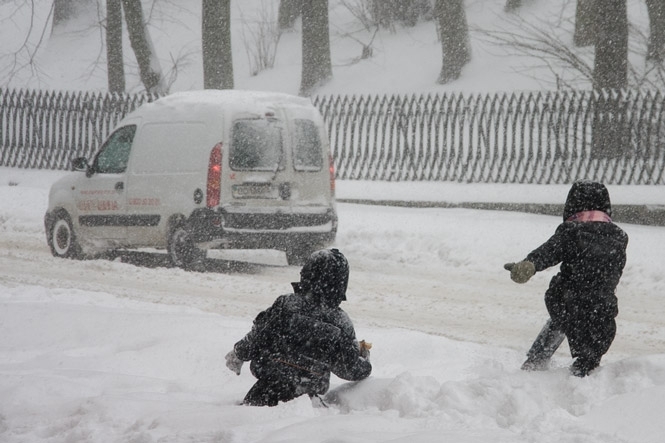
x=256 y=145
x=307 y=147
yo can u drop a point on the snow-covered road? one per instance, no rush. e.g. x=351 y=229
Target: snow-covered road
x=433 y=270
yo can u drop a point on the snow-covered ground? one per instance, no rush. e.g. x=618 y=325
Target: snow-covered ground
x=107 y=351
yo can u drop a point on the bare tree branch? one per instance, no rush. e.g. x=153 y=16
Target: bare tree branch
x=546 y=44
x=540 y=40
x=25 y=56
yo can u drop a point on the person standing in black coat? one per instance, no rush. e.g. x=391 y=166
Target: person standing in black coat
x=297 y=342
x=581 y=298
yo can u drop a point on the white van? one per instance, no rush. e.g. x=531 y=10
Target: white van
x=202 y=170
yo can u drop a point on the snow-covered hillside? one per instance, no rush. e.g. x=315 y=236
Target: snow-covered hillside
x=405 y=60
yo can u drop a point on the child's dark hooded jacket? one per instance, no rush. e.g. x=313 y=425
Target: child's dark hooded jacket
x=297 y=342
x=592 y=253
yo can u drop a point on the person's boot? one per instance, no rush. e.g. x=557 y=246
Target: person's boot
x=581 y=367
x=547 y=342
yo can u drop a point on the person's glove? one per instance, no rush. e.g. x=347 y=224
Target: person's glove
x=520 y=272
x=364 y=349
x=233 y=362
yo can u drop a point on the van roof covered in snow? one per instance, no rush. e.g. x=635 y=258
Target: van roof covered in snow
x=193 y=103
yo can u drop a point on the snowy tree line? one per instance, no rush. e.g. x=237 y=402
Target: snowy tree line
x=601 y=24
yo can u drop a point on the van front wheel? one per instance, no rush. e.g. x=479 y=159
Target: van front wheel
x=62 y=240
x=182 y=251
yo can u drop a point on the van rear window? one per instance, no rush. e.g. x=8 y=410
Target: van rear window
x=256 y=145
x=307 y=147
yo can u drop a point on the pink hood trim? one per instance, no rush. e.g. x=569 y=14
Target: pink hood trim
x=590 y=216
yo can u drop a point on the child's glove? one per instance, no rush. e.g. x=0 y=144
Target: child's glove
x=233 y=362
x=364 y=349
x=520 y=272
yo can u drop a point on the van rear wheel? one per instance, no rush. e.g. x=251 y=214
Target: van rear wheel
x=182 y=251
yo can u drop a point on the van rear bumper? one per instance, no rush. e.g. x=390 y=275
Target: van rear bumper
x=212 y=229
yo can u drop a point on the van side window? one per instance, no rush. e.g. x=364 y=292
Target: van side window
x=113 y=157
x=256 y=145
x=307 y=147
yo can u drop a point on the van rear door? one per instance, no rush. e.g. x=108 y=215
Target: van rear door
x=257 y=160
x=271 y=193
x=313 y=177
x=280 y=162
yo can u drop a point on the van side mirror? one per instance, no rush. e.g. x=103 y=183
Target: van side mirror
x=80 y=164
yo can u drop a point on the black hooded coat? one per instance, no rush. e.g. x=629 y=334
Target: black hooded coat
x=297 y=342
x=581 y=298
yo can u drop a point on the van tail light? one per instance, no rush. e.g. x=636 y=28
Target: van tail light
x=332 y=175
x=213 y=189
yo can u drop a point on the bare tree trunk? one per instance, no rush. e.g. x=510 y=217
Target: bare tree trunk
x=316 y=63
x=610 y=129
x=454 y=38
x=216 y=42
x=149 y=68
x=585 y=22
x=656 y=45
x=114 y=61
x=611 y=62
x=289 y=11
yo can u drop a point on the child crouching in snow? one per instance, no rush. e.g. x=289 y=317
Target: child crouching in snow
x=581 y=298
x=297 y=342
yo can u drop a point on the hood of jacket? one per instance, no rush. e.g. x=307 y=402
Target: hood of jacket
x=587 y=196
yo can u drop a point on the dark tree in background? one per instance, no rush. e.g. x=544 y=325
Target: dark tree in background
x=610 y=72
x=387 y=13
x=149 y=69
x=65 y=10
x=585 y=20
x=454 y=34
x=289 y=11
x=610 y=69
x=512 y=5
x=114 y=61
x=216 y=42
x=656 y=45
x=316 y=64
